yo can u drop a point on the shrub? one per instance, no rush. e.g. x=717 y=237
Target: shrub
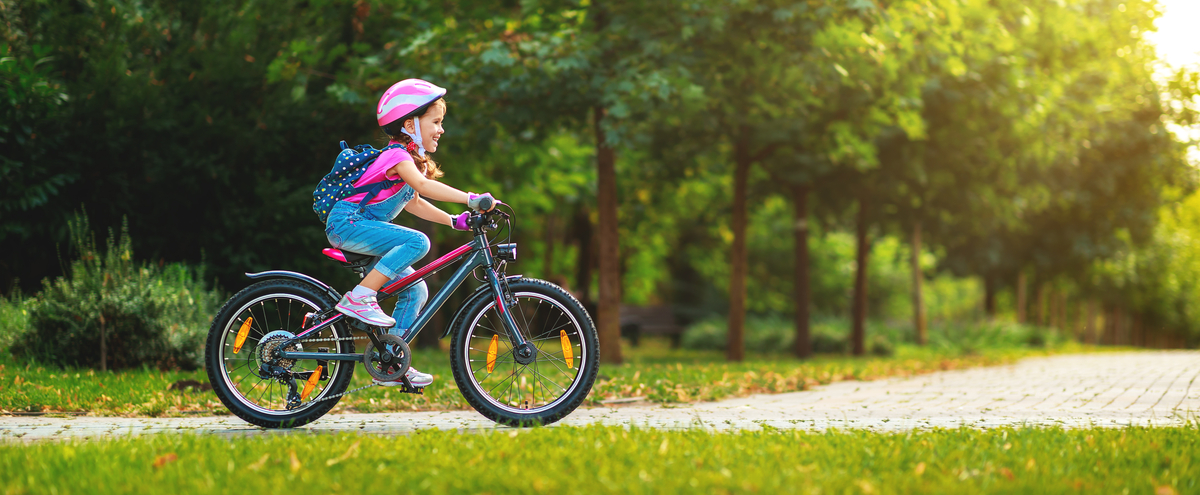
x=14 y=319
x=767 y=334
x=150 y=315
x=832 y=335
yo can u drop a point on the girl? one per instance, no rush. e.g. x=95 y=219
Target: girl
x=411 y=114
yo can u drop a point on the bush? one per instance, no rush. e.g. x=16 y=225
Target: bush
x=150 y=315
x=767 y=334
x=832 y=335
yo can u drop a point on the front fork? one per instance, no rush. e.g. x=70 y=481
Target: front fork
x=523 y=350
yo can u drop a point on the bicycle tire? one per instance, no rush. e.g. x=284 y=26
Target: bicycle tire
x=586 y=345
x=225 y=323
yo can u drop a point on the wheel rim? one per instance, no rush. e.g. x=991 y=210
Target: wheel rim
x=271 y=313
x=542 y=384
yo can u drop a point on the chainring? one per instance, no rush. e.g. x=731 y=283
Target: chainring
x=391 y=366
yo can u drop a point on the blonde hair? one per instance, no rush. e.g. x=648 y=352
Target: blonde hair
x=425 y=164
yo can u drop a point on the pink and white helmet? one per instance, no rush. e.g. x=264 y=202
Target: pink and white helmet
x=406 y=97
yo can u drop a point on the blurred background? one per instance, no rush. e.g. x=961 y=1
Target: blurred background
x=773 y=176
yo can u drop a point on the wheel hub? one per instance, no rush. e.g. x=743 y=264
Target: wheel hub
x=524 y=353
x=271 y=345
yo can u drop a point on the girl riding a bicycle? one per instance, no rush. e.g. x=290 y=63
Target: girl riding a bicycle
x=282 y=352
x=411 y=113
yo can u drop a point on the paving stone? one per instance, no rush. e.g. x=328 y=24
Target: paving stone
x=1158 y=388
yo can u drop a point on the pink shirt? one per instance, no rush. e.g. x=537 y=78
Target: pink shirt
x=376 y=173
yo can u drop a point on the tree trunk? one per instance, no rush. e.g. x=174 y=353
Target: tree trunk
x=918 y=278
x=1113 y=323
x=1089 y=322
x=858 y=329
x=1041 y=304
x=583 y=262
x=609 y=316
x=1052 y=295
x=1138 y=336
x=548 y=252
x=989 y=296
x=803 y=347
x=1022 y=303
x=736 y=348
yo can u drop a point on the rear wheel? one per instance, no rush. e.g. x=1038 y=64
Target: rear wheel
x=255 y=322
x=544 y=390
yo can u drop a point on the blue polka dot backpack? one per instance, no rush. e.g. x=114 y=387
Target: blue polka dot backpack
x=338 y=184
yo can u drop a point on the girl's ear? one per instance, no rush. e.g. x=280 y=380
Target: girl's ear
x=409 y=126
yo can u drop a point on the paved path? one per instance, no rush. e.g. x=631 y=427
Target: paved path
x=1105 y=389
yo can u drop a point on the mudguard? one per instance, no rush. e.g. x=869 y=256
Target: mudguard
x=296 y=276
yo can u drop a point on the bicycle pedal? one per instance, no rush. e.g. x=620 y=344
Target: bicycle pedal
x=412 y=390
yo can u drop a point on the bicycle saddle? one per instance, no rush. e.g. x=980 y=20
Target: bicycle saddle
x=344 y=256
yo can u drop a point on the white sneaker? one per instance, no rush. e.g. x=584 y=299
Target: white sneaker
x=366 y=309
x=415 y=377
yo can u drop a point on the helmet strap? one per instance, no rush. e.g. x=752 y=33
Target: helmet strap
x=416 y=136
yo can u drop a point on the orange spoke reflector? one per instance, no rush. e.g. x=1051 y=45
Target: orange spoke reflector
x=242 y=333
x=491 y=359
x=566 y=346
x=311 y=383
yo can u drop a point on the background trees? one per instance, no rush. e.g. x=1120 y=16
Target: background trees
x=727 y=158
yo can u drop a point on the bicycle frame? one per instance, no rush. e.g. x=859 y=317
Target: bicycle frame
x=477 y=253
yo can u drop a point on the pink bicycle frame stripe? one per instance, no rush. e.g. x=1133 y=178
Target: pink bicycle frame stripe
x=404 y=282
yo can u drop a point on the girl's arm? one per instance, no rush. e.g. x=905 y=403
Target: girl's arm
x=425 y=210
x=424 y=186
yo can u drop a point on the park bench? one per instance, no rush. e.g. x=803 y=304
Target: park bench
x=650 y=320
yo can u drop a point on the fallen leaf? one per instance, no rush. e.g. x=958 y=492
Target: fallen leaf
x=1165 y=490
x=1007 y=473
x=350 y=452
x=259 y=463
x=164 y=459
x=920 y=469
x=295 y=462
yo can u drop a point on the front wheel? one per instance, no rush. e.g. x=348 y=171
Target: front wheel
x=544 y=390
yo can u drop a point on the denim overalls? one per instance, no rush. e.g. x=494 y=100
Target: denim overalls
x=372 y=232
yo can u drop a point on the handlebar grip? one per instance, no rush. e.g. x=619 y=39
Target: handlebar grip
x=486 y=203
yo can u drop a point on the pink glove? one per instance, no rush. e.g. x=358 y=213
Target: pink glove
x=459 y=222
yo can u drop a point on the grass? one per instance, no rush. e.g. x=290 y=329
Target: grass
x=601 y=459
x=653 y=372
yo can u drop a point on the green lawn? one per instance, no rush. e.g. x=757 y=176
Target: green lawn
x=614 y=459
x=653 y=371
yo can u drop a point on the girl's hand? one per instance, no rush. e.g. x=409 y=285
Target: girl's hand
x=481 y=202
x=459 y=222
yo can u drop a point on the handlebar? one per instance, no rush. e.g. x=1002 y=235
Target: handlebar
x=486 y=219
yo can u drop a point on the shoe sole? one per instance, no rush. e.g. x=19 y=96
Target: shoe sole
x=393 y=384
x=351 y=313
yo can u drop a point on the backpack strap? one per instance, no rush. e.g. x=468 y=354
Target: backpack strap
x=373 y=189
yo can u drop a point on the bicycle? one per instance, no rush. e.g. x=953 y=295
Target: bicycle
x=280 y=356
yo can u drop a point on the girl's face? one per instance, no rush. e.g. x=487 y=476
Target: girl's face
x=431 y=126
